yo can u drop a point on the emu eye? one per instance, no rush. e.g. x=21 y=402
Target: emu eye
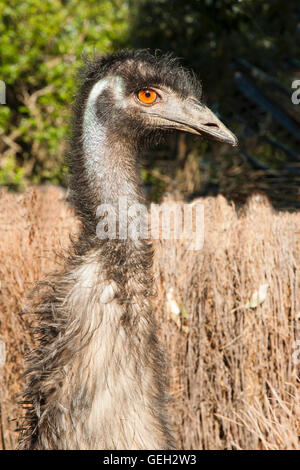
x=147 y=96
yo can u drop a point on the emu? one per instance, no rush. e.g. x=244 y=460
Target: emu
x=97 y=379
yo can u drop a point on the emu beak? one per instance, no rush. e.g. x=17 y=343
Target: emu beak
x=193 y=117
x=201 y=120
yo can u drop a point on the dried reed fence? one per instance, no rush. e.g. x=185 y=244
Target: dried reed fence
x=233 y=376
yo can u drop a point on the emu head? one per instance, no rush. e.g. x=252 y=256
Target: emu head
x=135 y=95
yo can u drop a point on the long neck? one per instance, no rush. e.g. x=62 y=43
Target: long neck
x=104 y=164
x=110 y=165
x=110 y=394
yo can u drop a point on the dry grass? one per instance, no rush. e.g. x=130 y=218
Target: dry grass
x=32 y=227
x=233 y=379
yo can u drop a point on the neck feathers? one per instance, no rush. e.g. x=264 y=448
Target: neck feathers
x=97 y=379
x=103 y=164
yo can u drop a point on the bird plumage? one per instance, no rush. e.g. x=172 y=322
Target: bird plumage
x=98 y=379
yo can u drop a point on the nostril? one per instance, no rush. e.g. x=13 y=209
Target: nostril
x=211 y=124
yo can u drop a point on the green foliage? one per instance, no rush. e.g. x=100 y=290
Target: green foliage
x=41 y=48
x=11 y=175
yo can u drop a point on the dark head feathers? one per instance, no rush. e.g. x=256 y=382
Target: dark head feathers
x=140 y=68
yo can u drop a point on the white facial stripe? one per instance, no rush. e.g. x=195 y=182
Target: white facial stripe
x=92 y=129
x=115 y=83
x=98 y=158
x=97 y=90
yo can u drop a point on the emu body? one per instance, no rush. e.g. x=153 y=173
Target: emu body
x=97 y=379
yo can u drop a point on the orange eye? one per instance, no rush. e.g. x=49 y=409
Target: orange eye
x=147 y=96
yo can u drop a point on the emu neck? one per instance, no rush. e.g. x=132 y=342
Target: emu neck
x=106 y=168
x=103 y=168
x=110 y=166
